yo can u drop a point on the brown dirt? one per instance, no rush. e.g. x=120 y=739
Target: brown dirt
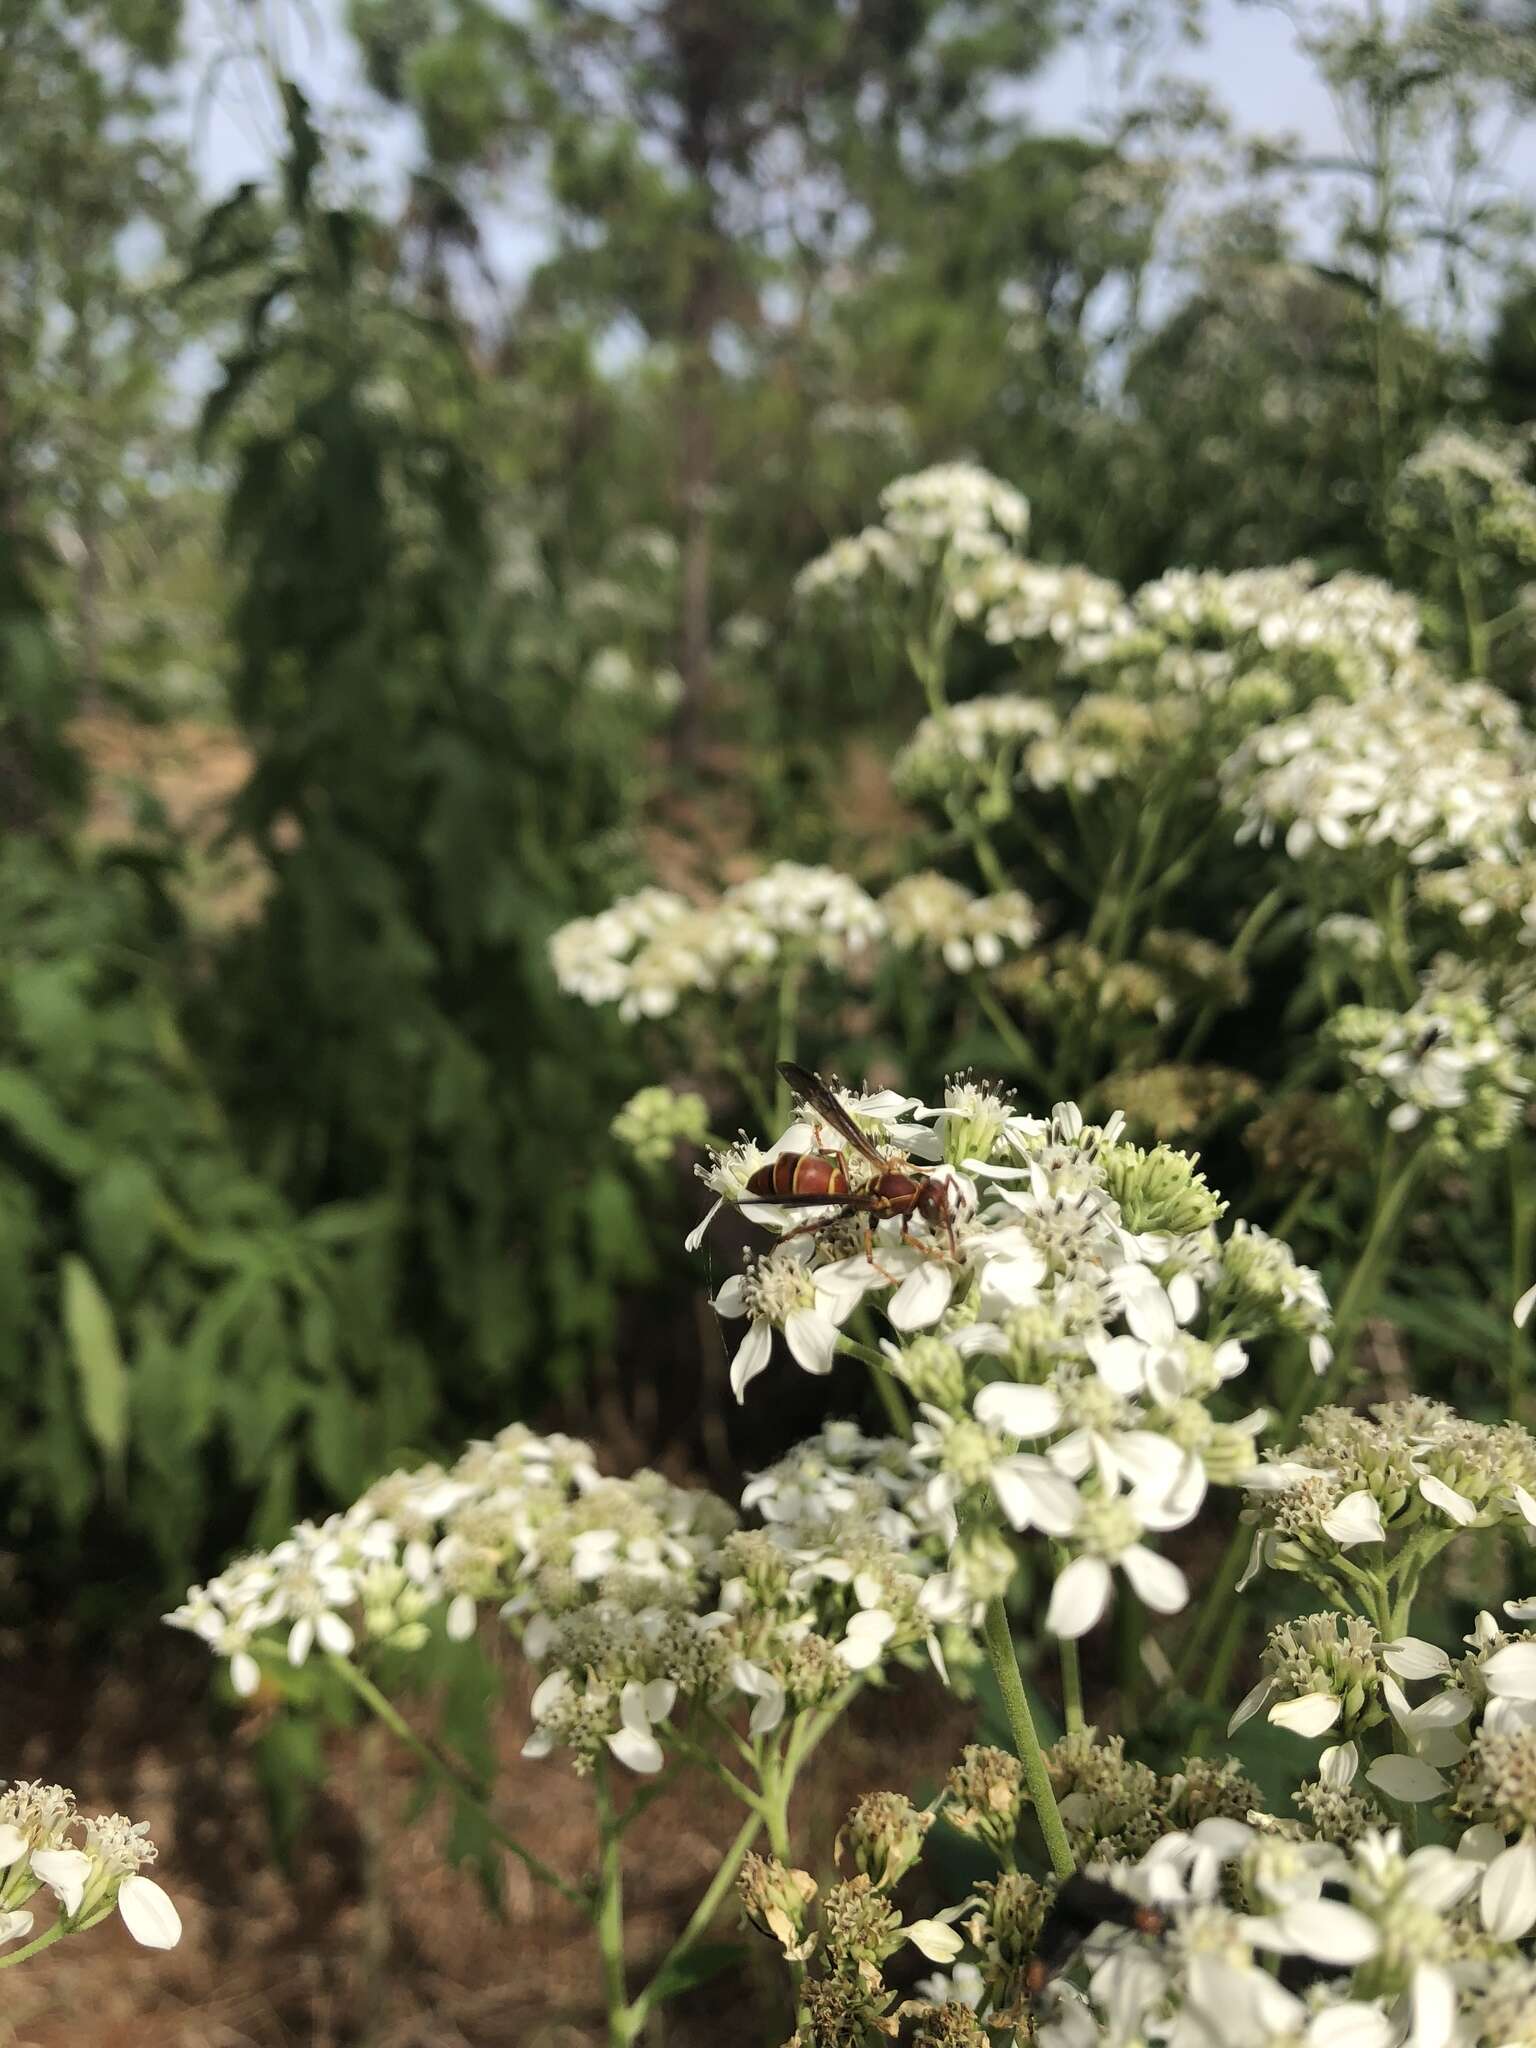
x=367 y=1938
x=190 y=770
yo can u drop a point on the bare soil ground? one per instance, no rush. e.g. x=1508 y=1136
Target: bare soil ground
x=367 y=1938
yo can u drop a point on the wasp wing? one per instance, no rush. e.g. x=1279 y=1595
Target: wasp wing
x=816 y=1095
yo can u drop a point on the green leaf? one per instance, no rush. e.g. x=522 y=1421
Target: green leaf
x=697 y=1967
x=35 y=1119
x=117 y=1210
x=92 y=1333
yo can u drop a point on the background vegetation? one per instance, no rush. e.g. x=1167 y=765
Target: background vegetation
x=477 y=600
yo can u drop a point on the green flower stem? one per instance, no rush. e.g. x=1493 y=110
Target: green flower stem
x=1071 y=1667
x=790 y=983
x=1072 y=1687
x=758 y=1102
x=452 y=1774
x=36 y=1946
x=892 y=1399
x=703 y=1913
x=1308 y=1390
x=608 y=1918
x=1063 y=869
x=1249 y=933
x=1026 y=1742
x=777 y=1784
x=1019 y=1047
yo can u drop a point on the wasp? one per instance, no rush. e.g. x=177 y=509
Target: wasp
x=820 y=1179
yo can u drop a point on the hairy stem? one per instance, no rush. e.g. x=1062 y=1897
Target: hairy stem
x=452 y=1774
x=1026 y=1742
x=608 y=1918
x=34 y=1947
x=703 y=1913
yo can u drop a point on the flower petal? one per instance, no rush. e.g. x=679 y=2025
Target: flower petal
x=1312 y=1715
x=1406 y=1778
x=812 y=1340
x=1411 y=1657
x=1157 y=1580
x=65 y=1872
x=641 y=1753
x=148 y=1913
x=922 y=1297
x=1079 y=1597
x=1510 y=1673
x=1356 y=1519
x=940 y=1944
x=1447 y=1500
x=752 y=1354
x=1508 y=1896
x=1020 y=1411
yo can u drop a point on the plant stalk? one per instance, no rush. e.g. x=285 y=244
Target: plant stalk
x=1026 y=1742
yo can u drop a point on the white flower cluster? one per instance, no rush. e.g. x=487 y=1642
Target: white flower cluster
x=1466 y=1747
x=636 y=1600
x=1409 y=1476
x=1423 y=772
x=1066 y=1314
x=1284 y=608
x=1271 y=1942
x=1446 y=1066
x=979 y=747
x=92 y=1866
x=1467 y=495
x=929 y=913
x=1025 y=601
x=647 y=951
x=613 y=672
x=954 y=514
x=1493 y=896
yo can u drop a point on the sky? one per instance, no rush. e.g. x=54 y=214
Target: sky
x=1249 y=60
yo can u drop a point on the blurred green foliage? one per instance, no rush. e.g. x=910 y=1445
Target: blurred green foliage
x=292 y=1193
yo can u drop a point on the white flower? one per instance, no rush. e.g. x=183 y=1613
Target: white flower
x=1314 y=1713
x=639 y=1707
x=1510 y=1673
x=66 y=1872
x=964 y=1985
x=1083 y=1590
x=867 y=1634
x=763 y=1687
x=1356 y=1519
x=932 y=1938
x=777 y=1292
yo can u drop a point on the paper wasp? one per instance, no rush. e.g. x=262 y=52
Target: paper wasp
x=820 y=1179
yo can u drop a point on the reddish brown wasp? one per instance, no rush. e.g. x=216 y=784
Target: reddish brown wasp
x=820 y=1179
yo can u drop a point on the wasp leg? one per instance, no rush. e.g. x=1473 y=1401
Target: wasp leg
x=869 y=1252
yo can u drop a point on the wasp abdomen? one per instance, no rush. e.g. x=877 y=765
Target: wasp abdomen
x=800 y=1173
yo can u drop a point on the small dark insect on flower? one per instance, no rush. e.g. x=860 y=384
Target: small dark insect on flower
x=1083 y=1904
